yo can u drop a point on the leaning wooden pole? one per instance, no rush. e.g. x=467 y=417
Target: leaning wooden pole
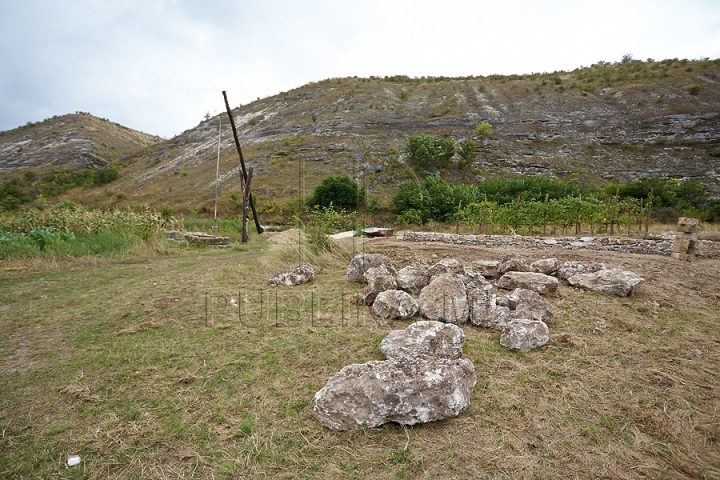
x=246 y=201
x=243 y=172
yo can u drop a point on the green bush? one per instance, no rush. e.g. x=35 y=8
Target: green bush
x=290 y=139
x=105 y=175
x=411 y=217
x=430 y=151
x=412 y=196
x=467 y=152
x=483 y=129
x=338 y=191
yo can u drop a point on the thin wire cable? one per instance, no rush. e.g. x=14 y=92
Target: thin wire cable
x=217 y=168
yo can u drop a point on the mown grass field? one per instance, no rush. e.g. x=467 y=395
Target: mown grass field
x=114 y=359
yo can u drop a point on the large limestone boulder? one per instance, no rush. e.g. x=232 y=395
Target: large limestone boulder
x=362 y=262
x=524 y=334
x=378 y=279
x=392 y=304
x=538 y=282
x=568 y=269
x=484 y=311
x=445 y=299
x=413 y=278
x=435 y=339
x=513 y=263
x=404 y=390
x=488 y=314
x=486 y=268
x=547 y=266
x=303 y=273
x=448 y=265
x=525 y=303
x=612 y=281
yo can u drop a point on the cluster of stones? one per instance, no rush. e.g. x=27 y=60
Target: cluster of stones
x=423 y=380
x=198 y=237
x=686 y=245
x=655 y=245
x=449 y=292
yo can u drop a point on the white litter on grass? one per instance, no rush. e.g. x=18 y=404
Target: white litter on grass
x=73 y=461
x=348 y=234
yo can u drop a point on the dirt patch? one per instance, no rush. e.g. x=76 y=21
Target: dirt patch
x=80 y=393
x=138 y=328
x=288 y=237
x=21 y=360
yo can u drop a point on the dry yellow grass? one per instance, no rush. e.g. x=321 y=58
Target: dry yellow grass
x=234 y=398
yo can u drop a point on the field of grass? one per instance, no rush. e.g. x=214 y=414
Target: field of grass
x=142 y=365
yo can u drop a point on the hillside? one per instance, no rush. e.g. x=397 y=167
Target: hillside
x=72 y=141
x=608 y=122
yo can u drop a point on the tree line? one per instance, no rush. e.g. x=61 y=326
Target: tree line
x=531 y=203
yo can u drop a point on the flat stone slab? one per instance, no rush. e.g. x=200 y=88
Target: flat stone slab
x=199 y=237
x=612 y=281
x=403 y=390
x=538 y=282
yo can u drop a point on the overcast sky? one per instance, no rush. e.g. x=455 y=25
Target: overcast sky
x=159 y=65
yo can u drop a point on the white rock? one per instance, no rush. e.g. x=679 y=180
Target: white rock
x=612 y=281
x=403 y=390
x=524 y=334
x=425 y=337
x=392 y=304
x=445 y=300
x=538 y=282
x=413 y=278
x=378 y=279
x=364 y=261
x=299 y=275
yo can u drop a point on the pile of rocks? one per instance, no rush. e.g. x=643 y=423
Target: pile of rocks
x=423 y=380
x=450 y=292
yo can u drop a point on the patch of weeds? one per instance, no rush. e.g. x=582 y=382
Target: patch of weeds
x=244 y=427
x=608 y=423
x=290 y=139
x=58 y=428
x=590 y=434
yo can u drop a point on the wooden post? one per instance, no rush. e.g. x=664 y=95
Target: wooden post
x=243 y=173
x=577 y=219
x=612 y=218
x=457 y=219
x=247 y=198
x=649 y=206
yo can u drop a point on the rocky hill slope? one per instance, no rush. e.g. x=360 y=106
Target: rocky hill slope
x=608 y=122
x=73 y=141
